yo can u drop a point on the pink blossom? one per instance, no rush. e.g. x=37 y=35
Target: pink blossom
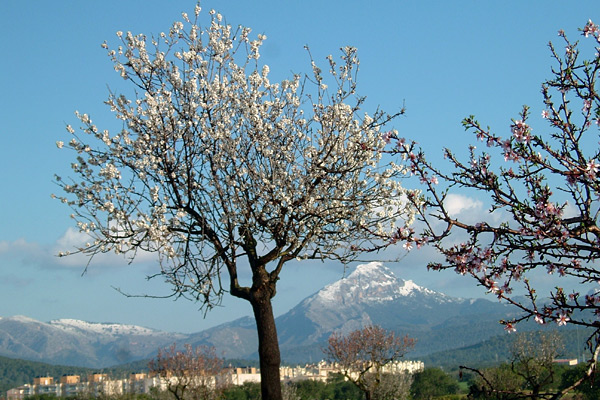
x=545 y=113
x=590 y=29
x=592 y=169
x=573 y=296
x=562 y=319
x=492 y=285
x=518 y=272
x=510 y=327
x=387 y=137
x=539 y=319
x=520 y=131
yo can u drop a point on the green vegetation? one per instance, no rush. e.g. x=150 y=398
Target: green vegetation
x=506 y=379
x=336 y=388
x=120 y=397
x=14 y=372
x=587 y=390
x=431 y=383
x=496 y=350
x=247 y=391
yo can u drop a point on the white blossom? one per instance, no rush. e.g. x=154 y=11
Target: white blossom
x=212 y=153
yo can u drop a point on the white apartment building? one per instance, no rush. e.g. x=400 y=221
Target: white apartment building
x=97 y=384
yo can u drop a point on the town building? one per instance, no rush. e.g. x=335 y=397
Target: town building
x=98 y=384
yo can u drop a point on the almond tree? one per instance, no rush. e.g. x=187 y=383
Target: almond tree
x=531 y=373
x=191 y=373
x=546 y=187
x=218 y=169
x=362 y=356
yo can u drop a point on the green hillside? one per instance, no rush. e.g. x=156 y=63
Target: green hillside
x=15 y=372
x=497 y=350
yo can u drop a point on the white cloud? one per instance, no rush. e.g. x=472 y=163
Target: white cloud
x=73 y=239
x=18 y=247
x=45 y=256
x=571 y=211
x=456 y=204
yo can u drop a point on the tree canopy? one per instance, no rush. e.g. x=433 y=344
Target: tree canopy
x=217 y=168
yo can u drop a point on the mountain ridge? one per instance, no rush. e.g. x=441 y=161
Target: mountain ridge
x=371 y=294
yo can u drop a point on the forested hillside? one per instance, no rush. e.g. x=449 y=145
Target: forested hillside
x=497 y=350
x=14 y=372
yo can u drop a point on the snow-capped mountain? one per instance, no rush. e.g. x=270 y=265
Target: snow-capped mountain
x=371 y=294
x=369 y=283
x=103 y=329
x=372 y=284
x=74 y=342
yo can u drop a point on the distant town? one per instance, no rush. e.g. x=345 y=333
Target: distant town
x=101 y=384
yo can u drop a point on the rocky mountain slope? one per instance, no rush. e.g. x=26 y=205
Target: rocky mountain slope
x=371 y=294
x=73 y=342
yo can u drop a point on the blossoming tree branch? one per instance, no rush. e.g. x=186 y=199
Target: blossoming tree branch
x=546 y=188
x=217 y=168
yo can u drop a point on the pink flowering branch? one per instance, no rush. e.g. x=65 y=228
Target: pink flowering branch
x=545 y=184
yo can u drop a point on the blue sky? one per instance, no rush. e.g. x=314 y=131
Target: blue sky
x=443 y=59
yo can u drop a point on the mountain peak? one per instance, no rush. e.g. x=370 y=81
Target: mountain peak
x=373 y=269
x=368 y=283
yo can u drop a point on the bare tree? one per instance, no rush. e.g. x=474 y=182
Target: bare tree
x=190 y=374
x=362 y=356
x=530 y=373
x=393 y=386
x=532 y=358
x=546 y=188
x=218 y=169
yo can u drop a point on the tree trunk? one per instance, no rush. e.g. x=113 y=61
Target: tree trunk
x=268 y=346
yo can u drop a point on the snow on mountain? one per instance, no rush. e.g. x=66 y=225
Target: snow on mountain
x=107 y=329
x=75 y=342
x=371 y=294
x=22 y=318
x=368 y=283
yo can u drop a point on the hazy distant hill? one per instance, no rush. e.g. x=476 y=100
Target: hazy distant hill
x=497 y=350
x=73 y=342
x=371 y=294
